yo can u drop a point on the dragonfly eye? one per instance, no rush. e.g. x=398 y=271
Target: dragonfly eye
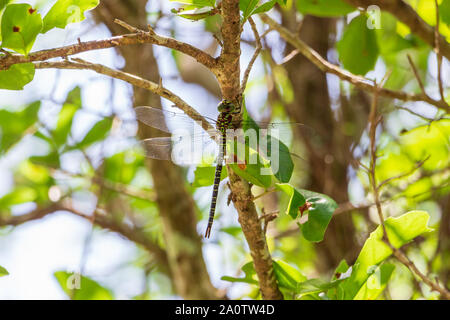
x=226 y=106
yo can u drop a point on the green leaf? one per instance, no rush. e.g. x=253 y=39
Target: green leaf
x=195 y=14
x=3 y=272
x=444 y=11
x=283 y=167
x=358 y=48
x=296 y=199
x=18 y=195
x=50 y=160
x=79 y=287
x=204 y=175
x=285 y=163
x=315 y=286
x=17 y=76
x=319 y=215
x=324 y=8
x=97 y=133
x=287 y=276
x=197 y=3
x=256 y=173
x=249 y=271
x=65 y=12
x=14 y=125
x=20 y=26
x=247 y=7
x=341 y=268
x=122 y=167
x=3 y=4
x=65 y=117
x=400 y=230
x=265 y=7
x=376 y=283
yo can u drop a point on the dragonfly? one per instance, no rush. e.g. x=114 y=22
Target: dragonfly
x=163 y=148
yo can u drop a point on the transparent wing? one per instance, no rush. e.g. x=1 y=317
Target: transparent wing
x=182 y=150
x=158 y=118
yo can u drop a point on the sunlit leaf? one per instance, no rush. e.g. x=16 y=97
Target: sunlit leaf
x=3 y=4
x=3 y=272
x=296 y=199
x=13 y=125
x=196 y=14
x=97 y=133
x=376 y=283
x=20 y=194
x=319 y=215
x=250 y=273
x=287 y=276
x=65 y=117
x=20 y=26
x=197 y=3
x=204 y=175
x=16 y=76
x=265 y=7
x=78 y=287
x=358 y=48
x=65 y=12
x=324 y=8
x=400 y=230
x=444 y=11
x=247 y=7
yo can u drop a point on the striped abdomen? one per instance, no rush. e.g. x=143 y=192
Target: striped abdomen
x=216 y=186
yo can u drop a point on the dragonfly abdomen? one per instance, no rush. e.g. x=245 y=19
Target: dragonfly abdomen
x=214 y=199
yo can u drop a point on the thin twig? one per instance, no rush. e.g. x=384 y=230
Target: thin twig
x=132 y=79
x=255 y=54
x=138 y=37
x=358 y=81
x=374 y=121
x=438 y=53
x=403 y=175
x=416 y=74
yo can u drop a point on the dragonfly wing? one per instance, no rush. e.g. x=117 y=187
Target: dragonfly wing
x=157 y=148
x=158 y=118
x=152 y=117
x=181 y=150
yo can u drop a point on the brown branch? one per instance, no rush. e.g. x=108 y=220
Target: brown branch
x=132 y=79
x=406 y=14
x=398 y=253
x=416 y=74
x=228 y=75
x=36 y=214
x=357 y=81
x=133 y=234
x=124 y=40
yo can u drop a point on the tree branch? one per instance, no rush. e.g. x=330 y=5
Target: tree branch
x=357 y=81
x=374 y=120
x=124 y=40
x=406 y=14
x=132 y=79
x=228 y=75
x=102 y=220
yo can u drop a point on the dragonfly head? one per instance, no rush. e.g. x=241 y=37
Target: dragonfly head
x=226 y=106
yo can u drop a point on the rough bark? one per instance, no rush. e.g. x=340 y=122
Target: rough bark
x=183 y=244
x=228 y=75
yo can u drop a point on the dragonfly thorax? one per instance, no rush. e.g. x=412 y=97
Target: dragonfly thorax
x=224 y=122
